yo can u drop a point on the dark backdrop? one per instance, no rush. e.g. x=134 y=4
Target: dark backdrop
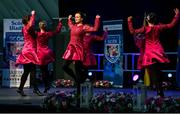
x=121 y=9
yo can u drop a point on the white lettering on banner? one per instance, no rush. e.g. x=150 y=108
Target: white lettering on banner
x=16 y=38
x=112 y=41
x=16 y=72
x=16 y=23
x=15 y=27
x=113 y=27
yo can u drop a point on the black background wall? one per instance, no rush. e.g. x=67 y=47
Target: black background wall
x=121 y=9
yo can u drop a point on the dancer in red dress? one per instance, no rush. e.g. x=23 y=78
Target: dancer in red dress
x=74 y=51
x=28 y=57
x=44 y=53
x=154 y=53
x=89 y=57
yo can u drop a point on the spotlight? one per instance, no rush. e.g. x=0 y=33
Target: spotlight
x=135 y=77
x=169 y=75
x=89 y=73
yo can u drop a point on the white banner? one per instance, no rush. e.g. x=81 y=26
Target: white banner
x=13 y=44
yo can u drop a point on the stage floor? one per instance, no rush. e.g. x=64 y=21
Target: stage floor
x=10 y=98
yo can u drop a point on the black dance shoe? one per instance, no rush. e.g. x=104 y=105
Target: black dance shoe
x=21 y=92
x=37 y=92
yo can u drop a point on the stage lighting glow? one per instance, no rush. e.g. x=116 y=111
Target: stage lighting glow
x=169 y=75
x=135 y=77
x=89 y=73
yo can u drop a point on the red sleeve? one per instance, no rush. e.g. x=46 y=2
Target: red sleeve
x=135 y=31
x=171 y=24
x=70 y=23
x=99 y=38
x=87 y=28
x=32 y=20
x=58 y=29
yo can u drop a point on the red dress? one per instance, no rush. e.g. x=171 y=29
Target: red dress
x=153 y=51
x=140 y=43
x=44 y=53
x=89 y=58
x=74 y=50
x=28 y=53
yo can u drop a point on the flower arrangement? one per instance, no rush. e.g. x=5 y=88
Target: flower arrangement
x=108 y=102
x=159 y=104
x=59 y=101
x=63 y=83
x=166 y=85
x=111 y=102
x=103 y=83
x=70 y=83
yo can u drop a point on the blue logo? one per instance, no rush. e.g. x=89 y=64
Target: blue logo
x=112 y=48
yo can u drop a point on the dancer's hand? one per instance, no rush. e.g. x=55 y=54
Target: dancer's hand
x=98 y=16
x=70 y=16
x=33 y=12
x=129 y=18
x=60 y=19
x=176 y=11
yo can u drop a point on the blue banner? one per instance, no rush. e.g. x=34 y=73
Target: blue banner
x=113 y=49
x=14 y=42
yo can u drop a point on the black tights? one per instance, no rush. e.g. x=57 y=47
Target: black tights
x=45 y=76
x=68 y=70
x=77 y=76
x=29 y=69
x=156 y=78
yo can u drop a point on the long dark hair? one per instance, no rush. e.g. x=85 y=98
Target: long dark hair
x=151 y=18
x=25 y=19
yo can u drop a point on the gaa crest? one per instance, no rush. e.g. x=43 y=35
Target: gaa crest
x=112 y=48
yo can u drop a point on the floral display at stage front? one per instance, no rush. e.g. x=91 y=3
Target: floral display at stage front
x=70 y=83
x=103 y=84
x=108 y=102
x=112 y=102
x=63 y=83
x=159 y=104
